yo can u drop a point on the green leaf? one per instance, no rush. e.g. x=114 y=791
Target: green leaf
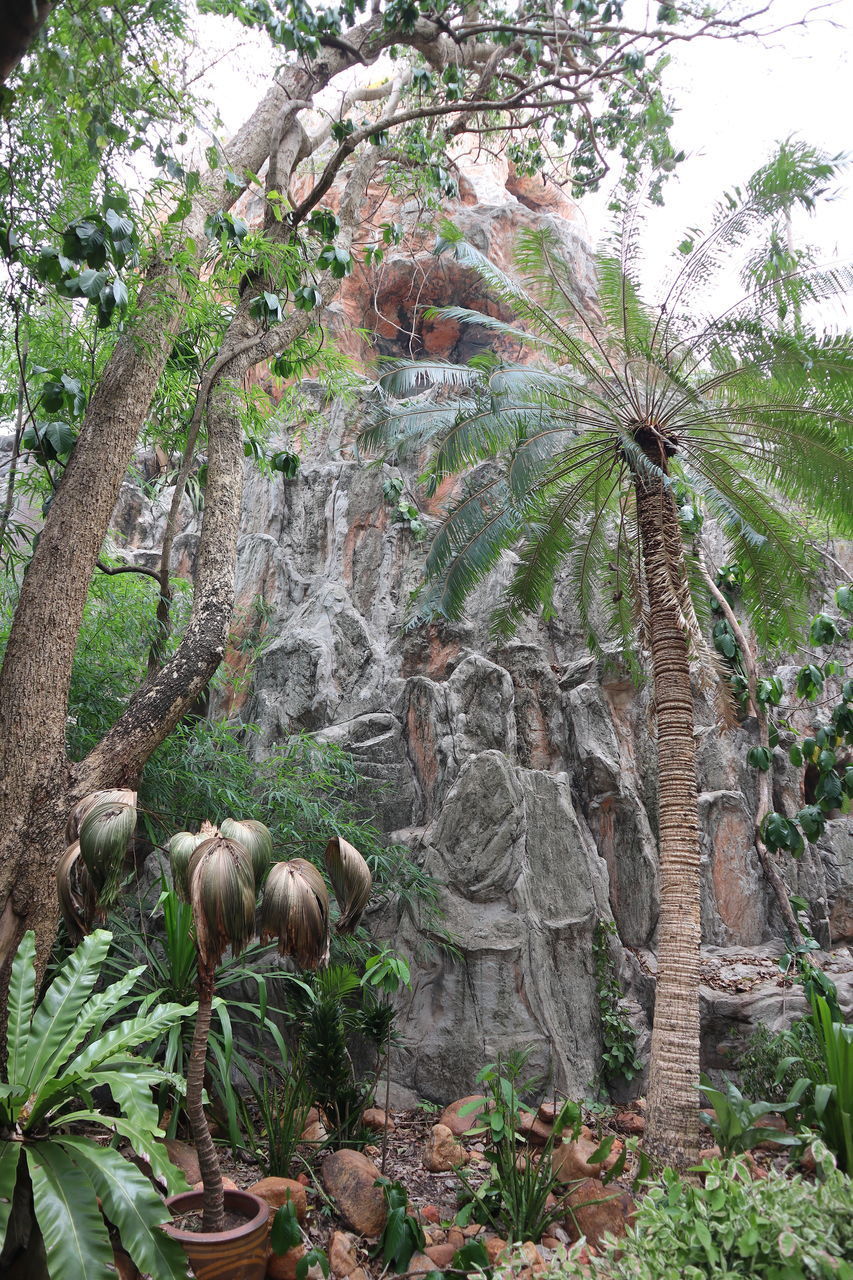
x=132 y=1206
x=10 y=1153
x=285 y=1233
x=130 y=1034
x=63 y=1002
x=844 y=600
x=22 y=994
x=144 y=1143
x=75 y=1235
x=760 y=758
x=823 y=630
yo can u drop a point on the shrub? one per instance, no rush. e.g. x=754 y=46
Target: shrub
x=776 y=1228
x=763 y=1068
x=58 y=1053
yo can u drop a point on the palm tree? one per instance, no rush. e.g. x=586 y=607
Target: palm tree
x=593 y=453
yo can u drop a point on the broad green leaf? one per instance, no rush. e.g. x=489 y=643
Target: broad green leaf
x=144 y=1143
x=10 y=1153
x=63 y=1002
x=133 y=1207
x=75 y=1235
x=285 y=1232
x=129 y=1034
x=22 y=994
x=103 y=1004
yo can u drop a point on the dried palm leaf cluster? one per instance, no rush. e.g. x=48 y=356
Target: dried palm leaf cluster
x=220 y=872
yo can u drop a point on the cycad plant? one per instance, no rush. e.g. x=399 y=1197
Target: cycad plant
x=221 y=876
x=592 y=450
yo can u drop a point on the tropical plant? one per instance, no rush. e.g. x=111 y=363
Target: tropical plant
x=829 y=1100
x=768 y=1065
x=163 y=940
x=731 y=1225
x=59 y=1052
x=221 y=877
x=340 y=1012
x=515 y=1198
x=735 y=1123
x=619 y=1039
x=402 y=1236
x=591 y=455
x=275 y=1124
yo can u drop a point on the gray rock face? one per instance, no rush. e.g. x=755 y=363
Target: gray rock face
x=523 y=779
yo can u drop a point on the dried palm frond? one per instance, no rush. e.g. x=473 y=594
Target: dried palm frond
x=105 y=832
x=78 y=901
x=295 y=909
x=182 y=846
x=222 y=896
x=78 y=813
x=351 y=881
x=256 y=839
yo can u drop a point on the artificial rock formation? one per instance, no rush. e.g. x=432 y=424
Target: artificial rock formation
x=522 y=777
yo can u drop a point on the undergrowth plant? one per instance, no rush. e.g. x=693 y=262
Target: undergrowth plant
x=402 y=1236
x=61 y=1053
x=730 y=1226
x=515 y=1197
x=243 y=1028
x=735 y=1122
x=619 y=1039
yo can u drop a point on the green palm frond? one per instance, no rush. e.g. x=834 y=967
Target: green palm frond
x=755 y=421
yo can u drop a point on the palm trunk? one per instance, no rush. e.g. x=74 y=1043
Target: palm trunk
x=213 y=1210
x=672 y=1128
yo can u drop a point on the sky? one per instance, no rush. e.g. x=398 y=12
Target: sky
x=734 y=100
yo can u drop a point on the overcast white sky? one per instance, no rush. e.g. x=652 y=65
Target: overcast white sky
x=735 y=99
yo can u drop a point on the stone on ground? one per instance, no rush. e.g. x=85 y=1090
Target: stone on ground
x=348 y=1177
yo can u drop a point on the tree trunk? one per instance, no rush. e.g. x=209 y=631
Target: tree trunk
x=672 y=1128
x=22 y=21
x=213 y=1212
x=38 y=786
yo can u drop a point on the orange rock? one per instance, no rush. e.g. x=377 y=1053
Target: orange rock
x=277 y=1191
x=375 y=1118
x=495 y=1246
x=459 y=1125
x=342 y=1256
x=441 y=1254
x=349 y=1178
x=456 y=1237
x=534 y=1128
x=282 y=1266
x=571 y=1160
x=442 y=1152
x=630 y=1122
x=597 y=1209
x=473 y=1229
x=420 y=1265
x=430 y=1213
x=228 y=1184
x=184 y=1156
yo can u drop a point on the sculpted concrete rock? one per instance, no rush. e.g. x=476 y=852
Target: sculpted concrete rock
x=522 y=776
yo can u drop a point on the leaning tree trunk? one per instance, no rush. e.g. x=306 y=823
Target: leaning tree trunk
x=38 y=784
x=672 y=1125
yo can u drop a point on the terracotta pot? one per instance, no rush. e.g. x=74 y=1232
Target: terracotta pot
x=237 y=1254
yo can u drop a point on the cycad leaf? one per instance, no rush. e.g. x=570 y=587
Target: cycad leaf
x=295 y=910
x=351 y=881
x=63 y=1002
x=66 y=1208
x=133 y=1207
x=22 y=994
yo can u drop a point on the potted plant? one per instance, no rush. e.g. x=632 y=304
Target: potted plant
x=220 y=873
